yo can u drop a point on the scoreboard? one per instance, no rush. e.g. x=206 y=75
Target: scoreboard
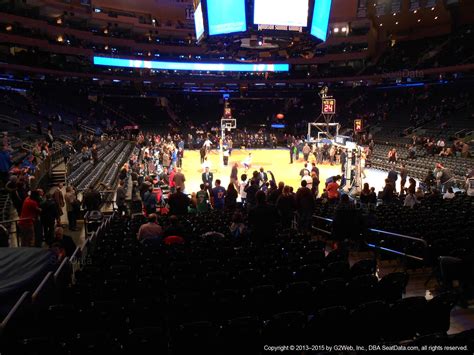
x=328 y=107
x=358 y=126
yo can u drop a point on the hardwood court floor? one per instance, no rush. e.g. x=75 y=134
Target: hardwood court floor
x=274 y=160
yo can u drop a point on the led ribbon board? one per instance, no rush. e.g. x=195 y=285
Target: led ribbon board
x=160 y=65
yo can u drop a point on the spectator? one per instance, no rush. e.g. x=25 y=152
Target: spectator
x=307 y=178
x=392 y=156
x=65 y=242
x=262 y=221
x=314 y=184
x=49 y=217
x=94 y=154
x=238 y=227
x=202 y=200
x=305 y=204
x=178 y=202
x=72 y=207
x=388 y=192
x=410 y=200
x=286 y=206
x=347 y=223
x=403 y=177
x=5 y=165
x=91 y=200
x=218 y=196
x=306 y=151
x=274 y=193
x=120 y=198
x=332 y=189
x=207 y=178
x=151 y=229
x=175 y=228
x=243 y=184
x=449 y=194
x=59 y=198
x=365 y=196
x=230 y=200
x=251 y=191
x=30 y=212
x=393 y=177
x=179 y=180
x=234 y=175
x=372 y=198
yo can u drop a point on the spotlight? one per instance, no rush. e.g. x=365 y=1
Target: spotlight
x=9 y=28
x=336 y=29
x=419 y=20
x=396 y=23
x=380 y=25
x=344 y=29
x=436 y=17
x=415 y=11
x=60 y=39
x=432 y=9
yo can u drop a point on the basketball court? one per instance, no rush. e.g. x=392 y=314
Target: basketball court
x=275 y=160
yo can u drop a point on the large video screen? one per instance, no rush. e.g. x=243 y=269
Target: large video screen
x=226 y=16
x=319 y=26
x=281 y=12
x=199 y=21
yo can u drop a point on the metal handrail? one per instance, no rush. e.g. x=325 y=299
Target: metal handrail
x=399 y=235
x=371 y=245
x=382 y=231
x=15 y=232
x=15 y=220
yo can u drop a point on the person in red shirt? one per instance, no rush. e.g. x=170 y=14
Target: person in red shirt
x=29 y=215
x=333 y=190
x=172 y=184
x=173 y=239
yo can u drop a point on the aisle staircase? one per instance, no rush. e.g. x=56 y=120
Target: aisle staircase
x=58 y=174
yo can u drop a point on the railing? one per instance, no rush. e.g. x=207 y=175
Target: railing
x=14 y=232
x=380 y=232
x=53 y=283
x=460 y=132
x=90 y=130
x=8 y=119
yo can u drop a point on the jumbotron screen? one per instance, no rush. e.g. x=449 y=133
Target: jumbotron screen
x=199 y=21
x=319 y=25
x=281 y=12
x=226 y=16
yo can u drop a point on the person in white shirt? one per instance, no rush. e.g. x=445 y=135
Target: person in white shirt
x=307 y=178
x=206 y=164
x=410 y=200
x=247 y=161
x=449 y=194
x=207 y=144
x=225 y=155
